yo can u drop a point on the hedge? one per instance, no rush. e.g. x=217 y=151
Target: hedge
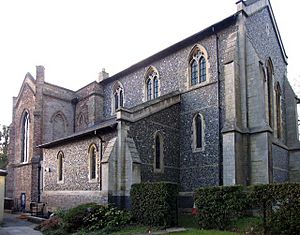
x=155 y=204
x=279 y=205
x=218 y=206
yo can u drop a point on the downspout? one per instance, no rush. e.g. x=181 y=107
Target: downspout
x=219 y=112
x=100 y=158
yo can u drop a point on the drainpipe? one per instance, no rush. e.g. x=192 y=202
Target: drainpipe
x=100 y=157
x=219 y=112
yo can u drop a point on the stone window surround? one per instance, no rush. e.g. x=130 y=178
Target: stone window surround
x=159 y=135
x=60 y=166
x=194 y=137
x=118 y=90
x=25 y=141
x=278 y=110
x=198 y=48
x=151 y=74
x=92 y=147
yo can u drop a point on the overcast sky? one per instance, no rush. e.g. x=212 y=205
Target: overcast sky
x=75 y=39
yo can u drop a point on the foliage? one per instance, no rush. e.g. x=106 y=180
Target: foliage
x=155 y=204
x=218 y=206
x=74 y=217
x=279 y=205
x=4 y=140
x=106 y=217
x=51 y=224
x=85 y=218
x=203 y=232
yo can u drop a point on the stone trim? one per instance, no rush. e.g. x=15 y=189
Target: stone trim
x=142 y=112
x=75 y=193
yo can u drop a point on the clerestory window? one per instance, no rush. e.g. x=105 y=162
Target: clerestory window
x=118 y=96
x=197 y=66
x=152 y=82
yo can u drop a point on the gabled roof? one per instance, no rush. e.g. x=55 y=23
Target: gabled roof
x=176 y=47
x=92 y=131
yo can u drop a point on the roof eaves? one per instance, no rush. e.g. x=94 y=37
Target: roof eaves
x=176 y=47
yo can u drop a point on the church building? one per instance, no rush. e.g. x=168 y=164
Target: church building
x=213 y=109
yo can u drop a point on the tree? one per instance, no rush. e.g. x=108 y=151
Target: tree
x=4 y=140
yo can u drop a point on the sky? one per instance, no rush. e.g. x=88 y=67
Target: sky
x=75 y=39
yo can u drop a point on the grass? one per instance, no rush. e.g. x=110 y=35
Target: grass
x=204 y=232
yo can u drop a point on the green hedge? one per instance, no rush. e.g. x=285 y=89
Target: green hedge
x=279 y=205
x=155 y=204
x=218 y=206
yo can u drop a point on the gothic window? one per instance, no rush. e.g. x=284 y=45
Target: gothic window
x=25 y=137
x=278 y=110
x=270 y=92
x=202 y=69
x=118 y=94
x=81 y=121
x=158 y=153
x=152 y=83
x=60 y=162
x=149 y=89
x=194 y=72
x=58 y=121
x=92 y=162
x=198 y=65
x=198 y=132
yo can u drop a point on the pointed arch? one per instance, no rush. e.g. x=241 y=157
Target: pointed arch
x=278 y=110
x=198 y=132
x=198 y=65
x=158 y=152
x=81 y=121
x=60 y=166
x=152 y=83
x=269 y=91
x=117 y=96
x=92 y=161
x=59 y=125
x=25 y=136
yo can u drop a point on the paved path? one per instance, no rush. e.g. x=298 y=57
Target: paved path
x=12 y=225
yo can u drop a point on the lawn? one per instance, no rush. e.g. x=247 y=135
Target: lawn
x=203 y=232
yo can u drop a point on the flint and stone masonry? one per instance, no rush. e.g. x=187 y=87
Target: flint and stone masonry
x=151 y=123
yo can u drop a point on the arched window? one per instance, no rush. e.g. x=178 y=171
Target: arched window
x=202 y=69
x=278 y=110
x=118 y=95
x=156 y=91
x=149 y=89
x=59 y=124
x=81 y=120
x=60 y=162
x=152 y=83
x=92 y=162
x=198 y=65
x=198 y=132
x=158 y=153
x=270 y=92
x=25 y=137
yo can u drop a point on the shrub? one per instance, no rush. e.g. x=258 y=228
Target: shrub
x=219 y=206
x=50 y=224
x=155 y=204
x=73 y=218
x=279 y=205
x=106 y=217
